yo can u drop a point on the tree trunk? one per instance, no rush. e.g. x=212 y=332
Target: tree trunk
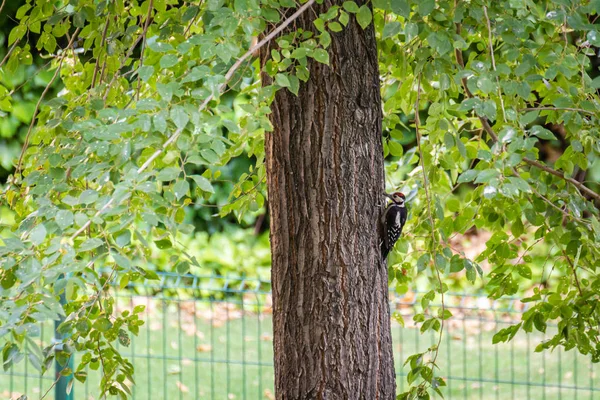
x=331 y=317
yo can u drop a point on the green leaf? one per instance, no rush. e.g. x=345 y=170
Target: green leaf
x=411 y=30
x=90 y=244
x=159 y=122
x=294 y=84
x=319 y=24
x=179 y=117
x=181 y=189
x=400 y=7
x=321 y=55
x=391 y=29
x=123 y=238
x=517 y=228
x=183 y=267
x=594 y=37
x=350 y=6
x=335 y=26
x=468 y=176
x=524 y=271
x=64 y=219
x=364 y=16
x=423 y=262
x=145 y=72
x=426 y=7
x=210 y=156
x=38 y=234
x=440 y=42
x=121 y=261
x=163 y=244
x=507 y=134
x=542 y=132
x=453 y=205
x=486 y=85
x=102 y=324
x=88 y=196
x=282 y=80
x=203 y=183
x=344 y=18
x=270 y=14
x=168 y=174
x=159 y=47
x=16 y=33
x=487 y=175
x=396 y=148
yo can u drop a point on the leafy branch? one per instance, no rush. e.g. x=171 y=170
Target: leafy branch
x=39 y=102
x=488 y=128
x=204 y=104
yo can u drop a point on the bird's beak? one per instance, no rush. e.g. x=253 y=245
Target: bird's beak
x=389 y=196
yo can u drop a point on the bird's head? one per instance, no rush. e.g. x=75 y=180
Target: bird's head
x=397 y=198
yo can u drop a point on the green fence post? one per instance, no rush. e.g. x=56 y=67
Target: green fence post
x=60 y=390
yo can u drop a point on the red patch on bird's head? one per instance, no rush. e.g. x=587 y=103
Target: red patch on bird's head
x=400 y=194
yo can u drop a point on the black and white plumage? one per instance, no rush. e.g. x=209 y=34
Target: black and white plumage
x=393 y=221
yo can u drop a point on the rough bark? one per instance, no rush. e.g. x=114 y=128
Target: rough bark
x=325 y=177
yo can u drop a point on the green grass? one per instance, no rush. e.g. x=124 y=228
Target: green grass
x=197 y=350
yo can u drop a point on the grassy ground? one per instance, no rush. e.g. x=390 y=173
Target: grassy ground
x=191 y=350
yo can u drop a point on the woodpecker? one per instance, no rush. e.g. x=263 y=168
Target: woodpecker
x=393 y=221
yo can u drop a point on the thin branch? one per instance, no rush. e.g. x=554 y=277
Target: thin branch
x=581 y=110
x=192 y=22
x=430 y=214
x=30 y=78
x=257 y=46
x=228 y=76
x=2 y=6
x=489 y=26
x=146 y=24
x=57 y=379
x=97 y=65
x=574 y=273
x=39 y=102
x=559 y=174
x=116 y=74
x=9 y=53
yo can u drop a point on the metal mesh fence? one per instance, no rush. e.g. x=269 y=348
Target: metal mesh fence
x=211 y=338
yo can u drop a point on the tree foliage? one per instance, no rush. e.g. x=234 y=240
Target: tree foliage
x=157 y=95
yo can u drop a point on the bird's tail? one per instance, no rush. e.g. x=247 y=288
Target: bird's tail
x=384 y=250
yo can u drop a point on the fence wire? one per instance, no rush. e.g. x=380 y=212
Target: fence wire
x=211 y=338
